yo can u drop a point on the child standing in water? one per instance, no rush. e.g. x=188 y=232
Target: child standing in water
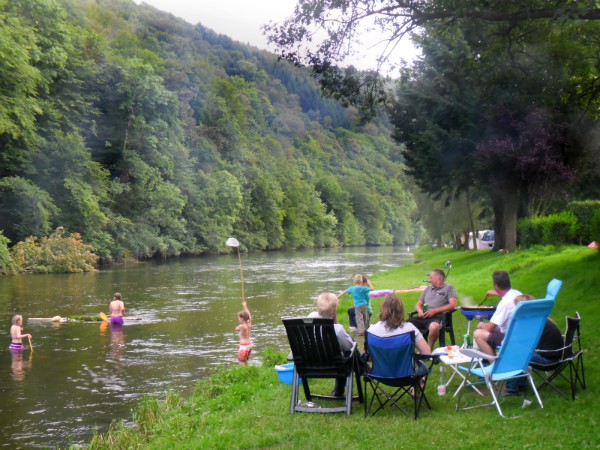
x=16 y=335
x=244 y=329
x=116 y=310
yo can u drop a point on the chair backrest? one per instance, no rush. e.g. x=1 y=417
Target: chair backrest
x=315 y=346
x=572 y=327
x=553 y=288
x=523 y=334
x=392 y=356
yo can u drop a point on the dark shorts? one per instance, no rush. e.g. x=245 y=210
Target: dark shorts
x=495 y=338
x=422 y=323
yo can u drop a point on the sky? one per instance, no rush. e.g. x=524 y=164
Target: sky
x=241 y=20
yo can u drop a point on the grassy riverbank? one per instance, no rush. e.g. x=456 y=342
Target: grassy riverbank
x=246 y=407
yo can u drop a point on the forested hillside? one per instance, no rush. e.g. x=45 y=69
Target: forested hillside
x=150 y=136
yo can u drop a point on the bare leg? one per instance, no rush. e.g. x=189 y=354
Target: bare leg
x=481 y=337
x=434 y=332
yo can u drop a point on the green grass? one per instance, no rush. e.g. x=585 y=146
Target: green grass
x=246 y=407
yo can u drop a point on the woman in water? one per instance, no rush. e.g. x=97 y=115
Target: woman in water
x=117 y=310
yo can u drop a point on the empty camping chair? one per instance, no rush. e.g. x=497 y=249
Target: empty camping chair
x=571 y=359
x=317 y=354
x=396 y=374
x=522 y=336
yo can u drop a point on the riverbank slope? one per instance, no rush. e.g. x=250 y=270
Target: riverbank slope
x=247 y=407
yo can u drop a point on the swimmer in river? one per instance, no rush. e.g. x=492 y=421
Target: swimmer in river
x=117 y=310
x=16 y=334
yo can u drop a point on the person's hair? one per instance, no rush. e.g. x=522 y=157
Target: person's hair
x=439 y=272
x=502 y=280
x=392 y=312
x=16 y=317
x=117 y=296
x=358 y=279
x=327 y=304
x=365 y=280
x=244 y=316
x=523 y=298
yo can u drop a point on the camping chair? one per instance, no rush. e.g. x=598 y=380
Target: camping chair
x=317 y=354
x=523 y=334
x=571 y=359
x=395 y=365
x=553 y=288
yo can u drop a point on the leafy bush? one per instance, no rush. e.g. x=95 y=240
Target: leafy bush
x=59 y=252
x=584 y=211
x=529 y=231
x=559 y=229
x=554 y=229
x=595 y=227
x=7 y=265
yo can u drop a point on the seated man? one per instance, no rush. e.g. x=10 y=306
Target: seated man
x=548 y=350
x=490 y=335
x=435 y=300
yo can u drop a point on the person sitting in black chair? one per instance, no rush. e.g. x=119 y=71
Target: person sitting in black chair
x=434 y=302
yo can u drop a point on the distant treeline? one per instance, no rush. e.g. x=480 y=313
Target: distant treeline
x=149 y=136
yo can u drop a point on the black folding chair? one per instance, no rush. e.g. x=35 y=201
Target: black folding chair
x=571 y=359
x=317 y=354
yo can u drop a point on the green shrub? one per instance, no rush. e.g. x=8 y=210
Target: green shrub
x=560 y=229
x=595 y=227
x=7 y=265
x=60 y=252
x=529 y=231
x=554 y=229
x=584 y=210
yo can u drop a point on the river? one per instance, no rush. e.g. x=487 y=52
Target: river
x=81 y=376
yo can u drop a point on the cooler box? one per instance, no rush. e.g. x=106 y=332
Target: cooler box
x=286 y=373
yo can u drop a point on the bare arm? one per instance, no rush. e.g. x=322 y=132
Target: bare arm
x=423 y=347
x=245 y=306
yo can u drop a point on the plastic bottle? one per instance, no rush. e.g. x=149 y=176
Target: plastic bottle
x=442 y=383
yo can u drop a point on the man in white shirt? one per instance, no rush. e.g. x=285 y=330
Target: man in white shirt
x=490 y=335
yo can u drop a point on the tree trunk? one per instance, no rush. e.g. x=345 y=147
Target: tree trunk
x=506 y=207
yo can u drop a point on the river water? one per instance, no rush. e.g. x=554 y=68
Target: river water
x=81 y=376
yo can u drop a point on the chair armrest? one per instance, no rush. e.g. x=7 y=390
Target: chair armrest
x=477 y=354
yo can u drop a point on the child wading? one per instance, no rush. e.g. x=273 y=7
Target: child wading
x=16 y=335
x=244 y=328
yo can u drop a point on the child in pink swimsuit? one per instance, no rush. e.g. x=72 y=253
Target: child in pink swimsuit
x=244 y=328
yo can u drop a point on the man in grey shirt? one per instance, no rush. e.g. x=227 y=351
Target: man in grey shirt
x=435 y=300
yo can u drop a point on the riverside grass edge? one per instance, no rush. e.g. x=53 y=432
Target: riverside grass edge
x=247 y=407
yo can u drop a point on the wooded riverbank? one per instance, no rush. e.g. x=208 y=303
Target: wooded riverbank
x=247 y=407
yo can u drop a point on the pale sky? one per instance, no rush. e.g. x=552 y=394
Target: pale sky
x=241 y=20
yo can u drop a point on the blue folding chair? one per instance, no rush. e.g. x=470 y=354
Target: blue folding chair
x=522 y=337
x=395 y=366
x=553 y=288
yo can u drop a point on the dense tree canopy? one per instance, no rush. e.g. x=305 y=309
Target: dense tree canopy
x=150 y=136
x=502 y=103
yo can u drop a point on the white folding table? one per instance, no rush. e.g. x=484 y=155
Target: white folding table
x=454 y=360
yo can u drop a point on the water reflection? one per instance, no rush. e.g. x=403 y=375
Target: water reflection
x=87 y=374
x=18 y=366
x=117 y=341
